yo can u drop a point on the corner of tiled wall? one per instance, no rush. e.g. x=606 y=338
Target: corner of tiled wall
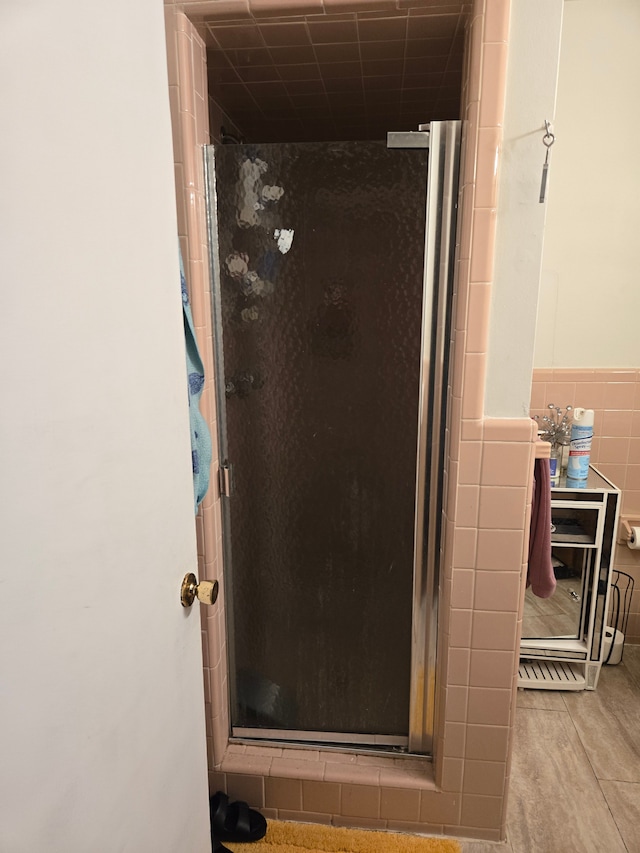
x=186 y=59
x=488 y=479
x=614 y=395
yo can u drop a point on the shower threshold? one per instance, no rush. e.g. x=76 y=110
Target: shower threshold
x=339 y=740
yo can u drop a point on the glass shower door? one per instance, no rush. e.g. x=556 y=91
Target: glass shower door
x=318 y=250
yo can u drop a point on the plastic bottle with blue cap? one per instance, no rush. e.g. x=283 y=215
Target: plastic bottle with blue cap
x=580 y=446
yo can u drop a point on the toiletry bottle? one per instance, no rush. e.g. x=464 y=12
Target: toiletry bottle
x=580 y=448
x=555 y=457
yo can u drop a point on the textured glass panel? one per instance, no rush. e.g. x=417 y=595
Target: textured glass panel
x=321 y=256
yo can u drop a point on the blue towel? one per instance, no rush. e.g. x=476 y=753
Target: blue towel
x=200 y=435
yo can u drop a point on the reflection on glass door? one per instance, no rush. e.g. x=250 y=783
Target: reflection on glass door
x=319 y=254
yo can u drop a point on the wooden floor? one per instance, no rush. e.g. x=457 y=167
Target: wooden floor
x=575 y=776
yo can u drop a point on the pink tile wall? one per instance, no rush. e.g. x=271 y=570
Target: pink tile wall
x=186 y=58
x=488 y=502
x=614 y=395
x=489 y=481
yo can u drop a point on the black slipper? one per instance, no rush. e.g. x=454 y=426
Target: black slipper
x=235 y=821
x=219 y=848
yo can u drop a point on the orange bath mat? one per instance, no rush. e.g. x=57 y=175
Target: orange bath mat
x=286 y=837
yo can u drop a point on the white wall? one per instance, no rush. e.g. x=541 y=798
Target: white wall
x=590 y=297
x=101 y=707
x=534 y=42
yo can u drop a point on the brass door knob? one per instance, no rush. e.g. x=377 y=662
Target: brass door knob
x=206 y=591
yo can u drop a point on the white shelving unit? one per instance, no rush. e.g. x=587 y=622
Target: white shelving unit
x=569 y=655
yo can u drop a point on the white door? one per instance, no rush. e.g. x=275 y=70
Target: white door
x=102 y=736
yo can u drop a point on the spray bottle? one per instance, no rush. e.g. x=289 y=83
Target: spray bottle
x=580 y=447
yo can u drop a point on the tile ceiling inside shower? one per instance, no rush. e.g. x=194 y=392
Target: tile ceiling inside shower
x=353 y=75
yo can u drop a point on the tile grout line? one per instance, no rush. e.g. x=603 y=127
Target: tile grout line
x=595 y=775
x=613 y=817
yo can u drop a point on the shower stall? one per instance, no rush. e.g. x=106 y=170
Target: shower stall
x=332 y=267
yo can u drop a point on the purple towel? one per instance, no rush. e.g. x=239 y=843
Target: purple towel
x=540 y=576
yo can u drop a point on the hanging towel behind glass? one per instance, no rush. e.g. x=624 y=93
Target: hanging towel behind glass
x=200 y=436
x=540 y=574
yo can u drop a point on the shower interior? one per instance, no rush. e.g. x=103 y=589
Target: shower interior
x=336 y=77
x=304 y=80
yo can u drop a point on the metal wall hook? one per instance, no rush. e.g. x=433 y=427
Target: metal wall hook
x=547 y=140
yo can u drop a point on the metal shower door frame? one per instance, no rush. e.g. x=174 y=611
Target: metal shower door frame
x=437 y=304
x=441 y=201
